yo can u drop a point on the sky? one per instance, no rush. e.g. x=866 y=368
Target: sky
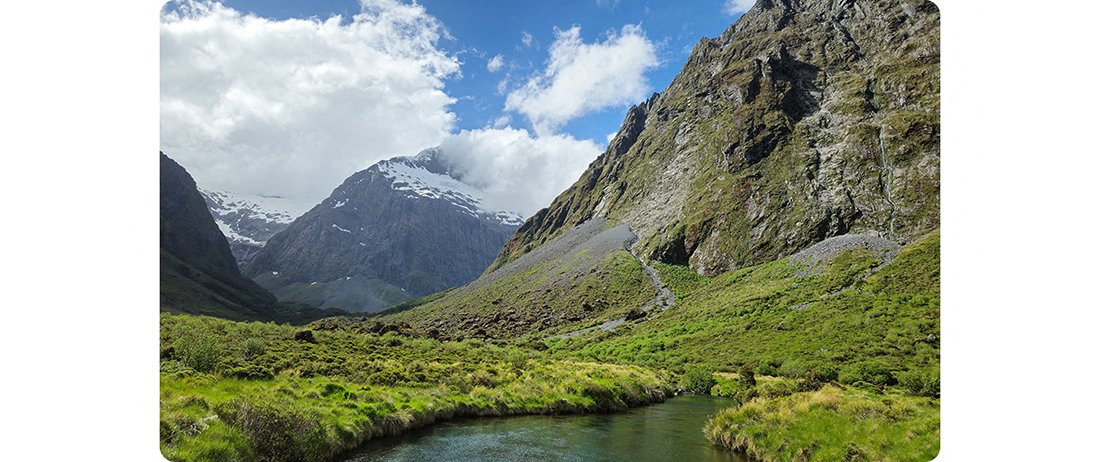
x=288 y=98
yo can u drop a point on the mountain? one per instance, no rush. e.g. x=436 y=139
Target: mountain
x=198 y=274
x=803 y=123
x=401 y=229
x=248 y=221
x=804 y=120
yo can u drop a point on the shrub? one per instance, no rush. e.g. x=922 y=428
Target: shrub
x=250 y=372
x=253 y=347
x=483 y=378
x=870 y=372
x=919 y=384
x=747 y=376
x=277 y=432
x=198 y=351
x=698 y=380
x=766 y=368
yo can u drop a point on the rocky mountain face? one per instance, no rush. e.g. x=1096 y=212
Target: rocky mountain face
x=401 y=229
x=248 y=221
x=198 y=273
x=804 y=120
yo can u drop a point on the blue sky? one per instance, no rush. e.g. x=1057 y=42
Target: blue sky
x=482 y=29
x=273 y=97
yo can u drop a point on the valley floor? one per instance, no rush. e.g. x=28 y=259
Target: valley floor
x=833 y=359
x=251 y=391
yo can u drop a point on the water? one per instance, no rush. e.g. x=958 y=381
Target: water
x=672 y=431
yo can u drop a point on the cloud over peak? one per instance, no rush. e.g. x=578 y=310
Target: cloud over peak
x=294 y=106
x=581 y=78
x=517 y=171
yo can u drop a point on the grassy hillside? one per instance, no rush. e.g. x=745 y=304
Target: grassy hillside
x=582 y=278
x=260 y=391
x=850 y=313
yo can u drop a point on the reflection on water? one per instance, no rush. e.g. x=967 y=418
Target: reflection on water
x=672 y=431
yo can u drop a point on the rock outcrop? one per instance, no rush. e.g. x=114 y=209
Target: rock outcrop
x=804 y=120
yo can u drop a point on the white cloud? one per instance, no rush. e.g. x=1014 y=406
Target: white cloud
x=581 y=78
x=609 y=4
x=527 y=38
x=517 y=171
x=495 y=64
x=293 y=107
x=732 y=7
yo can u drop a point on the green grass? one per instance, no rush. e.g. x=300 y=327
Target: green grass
x=249 y=391
x=829 y=424
x=559 y=295
x=775 y=313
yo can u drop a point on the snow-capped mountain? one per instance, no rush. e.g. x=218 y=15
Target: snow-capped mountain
x=249 y=220
x=404 y=228
x=422 y=175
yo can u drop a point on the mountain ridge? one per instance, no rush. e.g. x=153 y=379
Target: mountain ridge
x=401 y=229
x=802 y=121
x=198 y=274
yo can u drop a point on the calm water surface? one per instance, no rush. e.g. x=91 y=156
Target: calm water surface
x=672 y=431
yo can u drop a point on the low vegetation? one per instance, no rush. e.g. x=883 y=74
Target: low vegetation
x=260 y=391
x=857 y=318
x=832 y=423
x=838 y=362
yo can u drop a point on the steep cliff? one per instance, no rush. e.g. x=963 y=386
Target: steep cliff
x=804 y=120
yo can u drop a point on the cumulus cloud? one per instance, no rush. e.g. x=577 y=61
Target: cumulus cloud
x=293 y=107
x=581 y=78
x=527 y=38
x=732 y=7
x=517 y=171
x=495 y=63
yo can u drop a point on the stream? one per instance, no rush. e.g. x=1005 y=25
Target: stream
x=669 y=431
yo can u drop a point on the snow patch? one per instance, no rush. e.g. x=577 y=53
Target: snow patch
x=232 y=235
x=339 y=228
x=271 y=208
x=419 y=182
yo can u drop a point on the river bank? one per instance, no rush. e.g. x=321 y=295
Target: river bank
x=255 y=391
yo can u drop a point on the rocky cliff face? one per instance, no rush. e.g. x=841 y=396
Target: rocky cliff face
x=198 y=274
x=803 y=120
x=401 y=229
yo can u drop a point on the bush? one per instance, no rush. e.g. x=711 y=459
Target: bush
x=198 y=351
x=766 y=368
x=869 y=372
x=747 y=376
x=698 y=380
x=250 y=372
x=277 y=432
x=253 y=347
x=919 y=384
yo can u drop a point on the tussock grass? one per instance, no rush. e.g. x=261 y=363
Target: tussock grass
x=264 y=396
x=831 y=424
